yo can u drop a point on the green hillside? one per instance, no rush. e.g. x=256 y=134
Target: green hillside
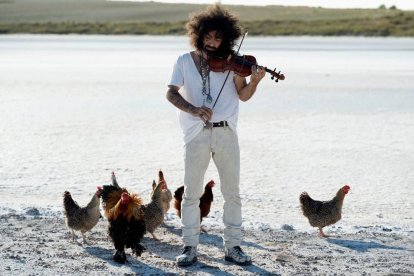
x=107 y=17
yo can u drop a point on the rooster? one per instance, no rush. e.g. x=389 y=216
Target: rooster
x=125 y=216
x=205 y=200
x=153 y=211
x=323 y=213
x=79 y=218
x=165 y=193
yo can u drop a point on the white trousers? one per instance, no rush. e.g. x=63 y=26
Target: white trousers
x=222 y=144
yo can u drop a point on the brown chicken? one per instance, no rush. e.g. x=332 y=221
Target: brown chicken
x=153 y=212
x=166 y=194
x=205 y=200
x=125 y=216
x=79 y=218
x=323 y=213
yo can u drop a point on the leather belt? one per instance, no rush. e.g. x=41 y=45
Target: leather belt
x=220 y=124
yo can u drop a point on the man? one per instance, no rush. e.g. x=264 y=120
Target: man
x=210 y=132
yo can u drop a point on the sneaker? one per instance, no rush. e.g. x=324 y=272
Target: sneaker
x=237 y=256
x=188 y=257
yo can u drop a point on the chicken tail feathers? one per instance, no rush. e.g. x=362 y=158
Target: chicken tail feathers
x=114 y=182
x=305 y=202
x=308 y=205
x=304 y=198
x=156 y=194
x=107 y=191
x=178 y=194
x=160 y=176
x=110 y=191
x=69 y=205
x=178 y=197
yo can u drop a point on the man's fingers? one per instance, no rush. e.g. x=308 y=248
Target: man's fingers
x=205 y=113
x=258 y=71
x=254 y=69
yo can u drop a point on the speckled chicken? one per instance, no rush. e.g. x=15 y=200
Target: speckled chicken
x=153 y=211
x=323 y=213
x=79 y=218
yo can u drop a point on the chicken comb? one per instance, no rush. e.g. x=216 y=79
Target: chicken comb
x=211 y=183
x=346 y=189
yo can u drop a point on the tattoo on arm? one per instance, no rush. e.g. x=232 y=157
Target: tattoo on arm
x=178 y=101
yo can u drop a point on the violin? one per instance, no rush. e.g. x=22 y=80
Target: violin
x=241 y=65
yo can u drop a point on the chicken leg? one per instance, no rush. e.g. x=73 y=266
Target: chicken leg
x=84 y=238
x=153 y=235
x=322 y=234
x=73 y=235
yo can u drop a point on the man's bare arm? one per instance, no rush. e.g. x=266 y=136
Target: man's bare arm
x=246 y=90
x=178 y=101
x=174 y=97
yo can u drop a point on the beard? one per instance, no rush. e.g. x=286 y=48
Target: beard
x=216 y=52
x=211 y=51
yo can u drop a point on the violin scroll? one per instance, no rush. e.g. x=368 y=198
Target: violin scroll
x=276 y=76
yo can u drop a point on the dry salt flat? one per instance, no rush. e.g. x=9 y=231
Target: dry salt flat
x=75 y=108
x=34 y=244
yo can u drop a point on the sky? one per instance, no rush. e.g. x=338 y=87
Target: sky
x=400 y=4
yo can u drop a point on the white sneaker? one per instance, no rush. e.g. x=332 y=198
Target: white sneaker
x=237 y=256
x=188 y=257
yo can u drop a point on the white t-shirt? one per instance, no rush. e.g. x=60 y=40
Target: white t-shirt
x=186 y=76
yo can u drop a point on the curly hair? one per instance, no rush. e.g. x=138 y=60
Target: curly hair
x=214 y=18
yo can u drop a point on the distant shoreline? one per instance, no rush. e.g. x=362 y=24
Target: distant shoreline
x=401 y=25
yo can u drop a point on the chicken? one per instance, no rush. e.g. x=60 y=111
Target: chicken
x=323 y=213
x=205 y=200
x=166 y=194
x=126 y=226
x=79 y=218
x=153 y=211
x=178 y=197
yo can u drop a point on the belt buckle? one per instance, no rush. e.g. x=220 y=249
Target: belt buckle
x=208 y=125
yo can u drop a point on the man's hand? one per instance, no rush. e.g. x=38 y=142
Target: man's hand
x=203 y=112
x=258 y=72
